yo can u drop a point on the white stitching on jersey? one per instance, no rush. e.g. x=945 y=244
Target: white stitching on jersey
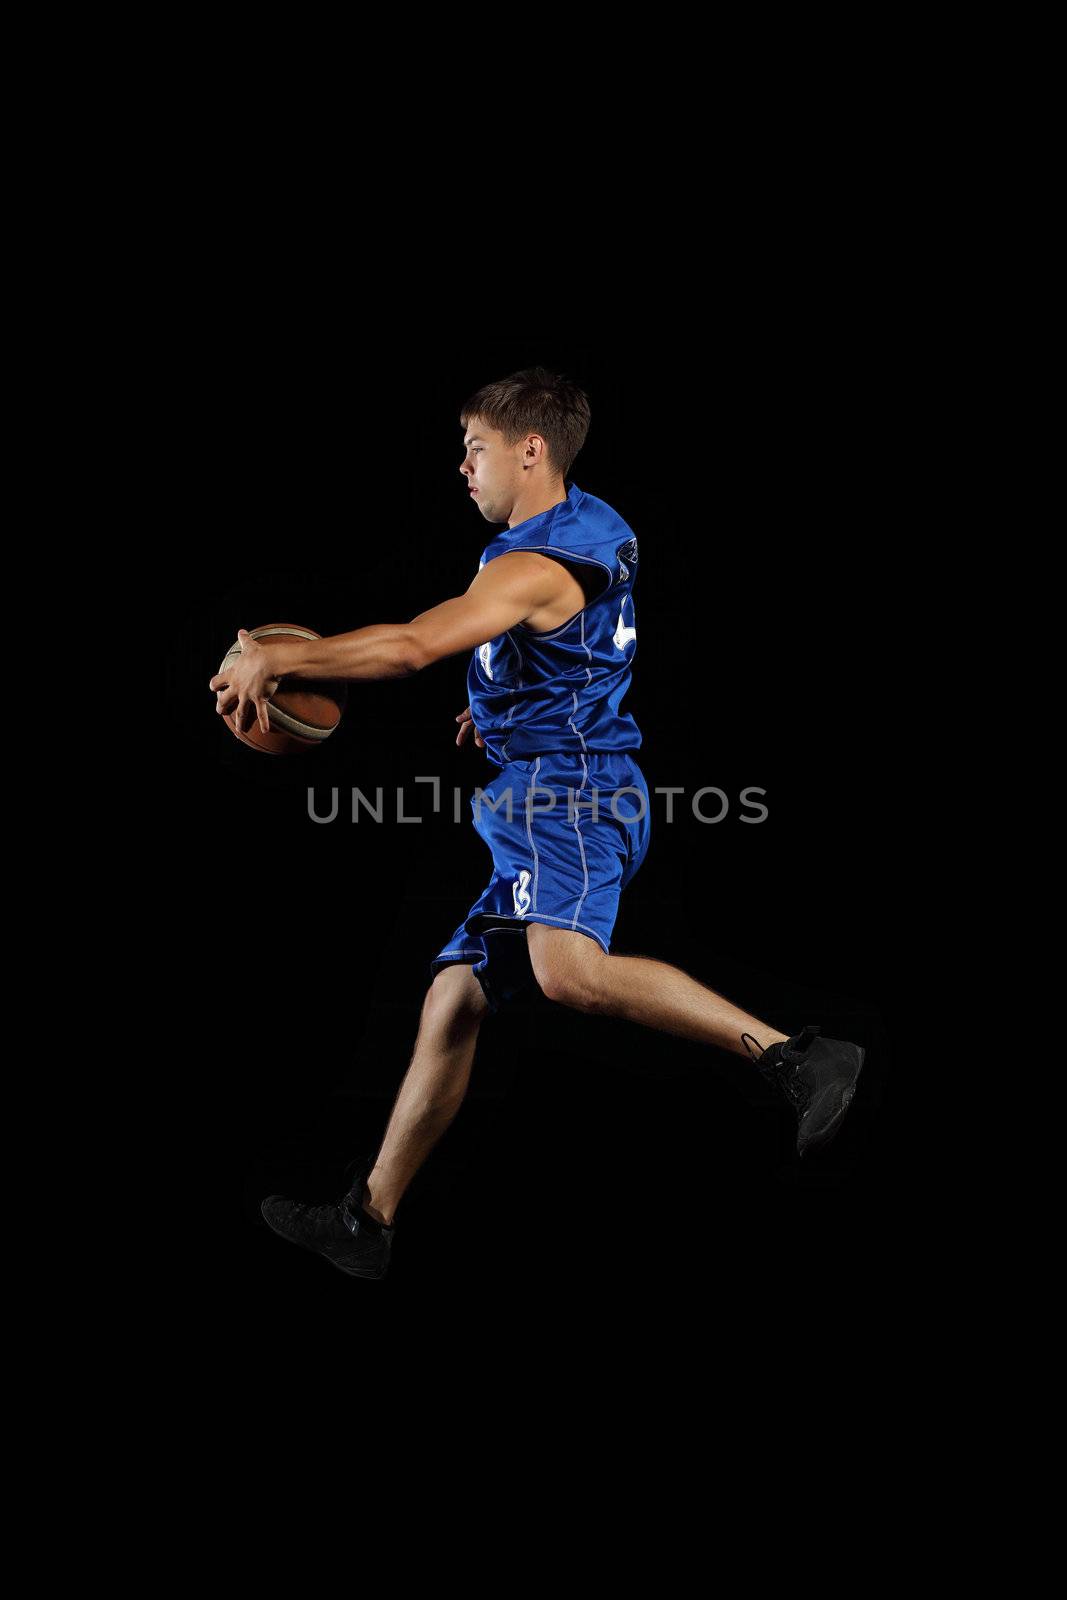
x=570 y=720
x=589 y=678
x=529 y=828
x=581 y=842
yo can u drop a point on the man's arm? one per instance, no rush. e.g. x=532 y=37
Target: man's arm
x=503 y=593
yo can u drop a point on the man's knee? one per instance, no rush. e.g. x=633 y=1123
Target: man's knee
x=566 y=965
x=456 y=996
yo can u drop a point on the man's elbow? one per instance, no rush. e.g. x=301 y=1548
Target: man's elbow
x=412 y=659
x=422 y=650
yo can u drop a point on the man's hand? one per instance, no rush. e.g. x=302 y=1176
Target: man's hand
x=466 y=724
x=247 y=682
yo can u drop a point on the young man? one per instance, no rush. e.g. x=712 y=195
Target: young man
x=550 y=618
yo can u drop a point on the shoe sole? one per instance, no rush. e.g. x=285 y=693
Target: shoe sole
x=833 y=1128
x=349 y=1272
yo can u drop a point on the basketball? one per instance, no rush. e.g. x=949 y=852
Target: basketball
x=302 y=714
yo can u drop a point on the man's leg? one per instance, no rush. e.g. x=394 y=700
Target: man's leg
x=573 y=970
x=818 y=1076
x=433 y=1087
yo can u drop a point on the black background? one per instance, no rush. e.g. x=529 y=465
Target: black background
x=324 y=489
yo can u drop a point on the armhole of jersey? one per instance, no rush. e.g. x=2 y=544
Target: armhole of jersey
x=580 y=561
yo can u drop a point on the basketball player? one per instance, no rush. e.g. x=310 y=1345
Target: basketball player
x=550 y=618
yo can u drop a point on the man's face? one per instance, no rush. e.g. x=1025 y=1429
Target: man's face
x=493 y=472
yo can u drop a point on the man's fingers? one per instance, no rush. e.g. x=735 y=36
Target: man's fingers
x=264 y=719
x=219 y=681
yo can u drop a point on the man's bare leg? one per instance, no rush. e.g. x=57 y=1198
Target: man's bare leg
x=433 y=1087
x=572 y=969
x=661 y=996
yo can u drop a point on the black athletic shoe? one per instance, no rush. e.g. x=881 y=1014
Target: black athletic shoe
x=818 y=1078
x=343 y=1232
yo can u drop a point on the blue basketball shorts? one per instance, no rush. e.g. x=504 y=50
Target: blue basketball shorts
x=553 y=862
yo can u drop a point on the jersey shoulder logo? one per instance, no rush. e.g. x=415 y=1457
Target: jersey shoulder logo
x=626 y=553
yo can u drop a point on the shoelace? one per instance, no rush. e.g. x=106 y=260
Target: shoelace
x=806 y=1036
x=322 y=1218
x=789 y=1080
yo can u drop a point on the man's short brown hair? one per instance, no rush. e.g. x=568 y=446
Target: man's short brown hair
x=534 y=401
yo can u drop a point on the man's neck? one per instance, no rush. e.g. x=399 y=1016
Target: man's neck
x=536 y=501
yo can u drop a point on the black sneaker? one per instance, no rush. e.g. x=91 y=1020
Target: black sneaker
x=343 y=1232
x=818 y=1078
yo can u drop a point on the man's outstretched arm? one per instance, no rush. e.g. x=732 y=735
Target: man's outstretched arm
x=503 y=593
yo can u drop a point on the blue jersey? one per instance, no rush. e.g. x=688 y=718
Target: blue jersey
x=535 y=692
